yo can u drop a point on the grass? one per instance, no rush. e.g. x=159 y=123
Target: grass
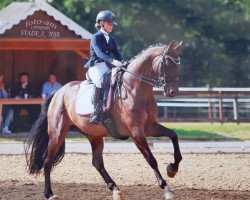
x=208 y=131
x=185 y=131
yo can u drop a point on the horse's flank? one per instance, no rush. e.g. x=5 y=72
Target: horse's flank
x=68 y=94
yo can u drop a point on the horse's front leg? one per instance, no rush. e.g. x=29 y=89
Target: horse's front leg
x=142 y=144
x=158 y=130
x=97 y=144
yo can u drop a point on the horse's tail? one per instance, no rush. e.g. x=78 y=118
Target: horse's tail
x=36 y=149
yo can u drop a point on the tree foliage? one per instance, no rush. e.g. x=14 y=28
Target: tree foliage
x=215 y=33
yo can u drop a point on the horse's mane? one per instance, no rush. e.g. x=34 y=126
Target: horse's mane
x=144 y=50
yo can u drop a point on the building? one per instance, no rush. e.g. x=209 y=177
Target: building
x=37 y=38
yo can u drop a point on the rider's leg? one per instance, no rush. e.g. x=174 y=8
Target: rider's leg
x=96 y=117
x=96 y=74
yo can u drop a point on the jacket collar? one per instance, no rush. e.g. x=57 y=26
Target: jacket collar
x=103 y=31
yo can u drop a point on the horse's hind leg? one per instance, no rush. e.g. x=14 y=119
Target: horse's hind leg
x=52 y=146
x=97 y=144
x=158 y=130
x=56 y=140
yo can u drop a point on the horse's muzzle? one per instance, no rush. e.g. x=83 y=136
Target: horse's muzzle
x=170 y=94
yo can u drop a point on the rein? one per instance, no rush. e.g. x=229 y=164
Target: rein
x=142 y=78
x=161 y=81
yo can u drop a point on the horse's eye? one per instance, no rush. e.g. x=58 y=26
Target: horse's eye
x=166 y=61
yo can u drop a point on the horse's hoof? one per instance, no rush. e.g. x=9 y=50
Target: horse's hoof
x=170 y=171
x=168 y=193
x=54 y=197
x=118 y=195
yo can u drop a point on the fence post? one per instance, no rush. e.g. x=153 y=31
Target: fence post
x=165 y=114
x=209 y=110
x=235 y=107
x=221 y=107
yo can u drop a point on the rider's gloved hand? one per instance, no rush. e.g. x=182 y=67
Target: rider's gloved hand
x=124 y=63
x=116 y=63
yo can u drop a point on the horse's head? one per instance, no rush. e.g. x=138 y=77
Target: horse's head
x=167 y=69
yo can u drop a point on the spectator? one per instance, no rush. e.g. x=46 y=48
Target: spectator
x=50 y=86
x=7 y=111
x=24 y=89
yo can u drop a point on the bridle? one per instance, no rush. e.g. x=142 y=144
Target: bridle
x=162 y=68
x=161 y=80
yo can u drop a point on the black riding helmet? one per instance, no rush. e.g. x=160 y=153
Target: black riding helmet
x=106 y=16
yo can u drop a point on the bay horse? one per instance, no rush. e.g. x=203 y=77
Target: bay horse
x=135 y=115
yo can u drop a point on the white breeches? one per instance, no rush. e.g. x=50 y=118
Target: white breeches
x=97 y=72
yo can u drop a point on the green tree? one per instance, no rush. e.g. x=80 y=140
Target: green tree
x=215 y=33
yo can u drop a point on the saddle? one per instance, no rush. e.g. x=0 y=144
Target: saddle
x=84 y=105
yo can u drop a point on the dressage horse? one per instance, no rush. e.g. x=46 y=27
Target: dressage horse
x=134 y=112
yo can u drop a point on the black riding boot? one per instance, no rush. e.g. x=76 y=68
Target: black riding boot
x=96 y=117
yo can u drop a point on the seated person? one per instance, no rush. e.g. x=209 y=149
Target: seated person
x=21 y=90
x=7 y=111
x=22 y=87
x=50 y=86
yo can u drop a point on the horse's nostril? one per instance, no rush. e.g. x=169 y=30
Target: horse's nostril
x=172 y=92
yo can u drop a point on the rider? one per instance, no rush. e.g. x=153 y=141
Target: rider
x=101 y=46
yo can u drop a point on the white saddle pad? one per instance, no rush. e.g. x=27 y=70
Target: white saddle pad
x=83 y=104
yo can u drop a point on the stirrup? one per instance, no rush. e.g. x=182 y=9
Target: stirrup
x=94 y=119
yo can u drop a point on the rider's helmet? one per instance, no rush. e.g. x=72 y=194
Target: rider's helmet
x=106 y=16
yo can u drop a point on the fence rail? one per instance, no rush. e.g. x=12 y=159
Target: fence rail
x=219 y=104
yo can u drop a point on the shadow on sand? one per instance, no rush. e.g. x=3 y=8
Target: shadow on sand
x=15 y=189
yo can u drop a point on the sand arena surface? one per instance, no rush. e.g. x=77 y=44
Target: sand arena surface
x=201 y=176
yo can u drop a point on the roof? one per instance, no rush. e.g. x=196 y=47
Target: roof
x=17 y=11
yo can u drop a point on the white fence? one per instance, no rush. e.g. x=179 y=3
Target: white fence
x=219 y=104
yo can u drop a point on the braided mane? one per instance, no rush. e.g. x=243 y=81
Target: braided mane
x=151 y=46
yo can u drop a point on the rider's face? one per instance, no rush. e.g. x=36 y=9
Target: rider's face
x=108 y=26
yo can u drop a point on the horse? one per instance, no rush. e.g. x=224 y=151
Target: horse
x=135 y=115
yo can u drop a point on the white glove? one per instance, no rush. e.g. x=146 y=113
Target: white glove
x=116 y=63
x=124 y=63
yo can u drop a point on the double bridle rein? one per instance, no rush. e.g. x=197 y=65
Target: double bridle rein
x=161 y=81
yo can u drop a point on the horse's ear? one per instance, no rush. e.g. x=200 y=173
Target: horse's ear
x=170 y=46
x=178 y=48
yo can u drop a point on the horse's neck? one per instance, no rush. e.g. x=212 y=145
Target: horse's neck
x=143 y=63
x=141 y=66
